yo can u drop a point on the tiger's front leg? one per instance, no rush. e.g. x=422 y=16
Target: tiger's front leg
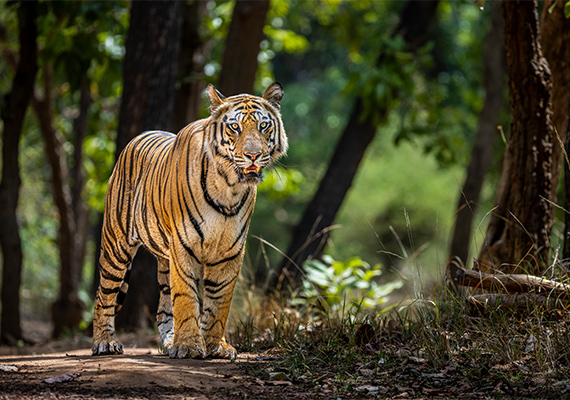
x=219 y=283
x=185 y=288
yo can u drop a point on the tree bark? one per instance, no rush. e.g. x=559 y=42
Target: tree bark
x=80 y=209
x=149 y=79
x=191 y=61
x=566 y=243
x=239 y=62
x=311 y=233
x=518 y=236
x=482 y=151
x=13 y=111
x=555 y=42
x=149 y=69
x=67 y=310
x=555 y=34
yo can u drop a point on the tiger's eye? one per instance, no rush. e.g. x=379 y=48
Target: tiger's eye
x=263 y=125
x=235 y=126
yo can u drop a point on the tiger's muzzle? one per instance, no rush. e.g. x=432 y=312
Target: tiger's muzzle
x=252 y=173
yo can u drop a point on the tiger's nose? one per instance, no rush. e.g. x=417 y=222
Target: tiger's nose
x=252 y=156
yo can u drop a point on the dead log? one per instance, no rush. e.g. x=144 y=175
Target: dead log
x=516 y=302
x=514 y=283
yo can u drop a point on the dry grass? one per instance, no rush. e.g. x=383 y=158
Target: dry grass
x=433 y=345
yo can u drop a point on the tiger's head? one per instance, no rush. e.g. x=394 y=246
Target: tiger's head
x=246 y=132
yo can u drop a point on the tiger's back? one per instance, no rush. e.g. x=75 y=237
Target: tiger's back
x=188 y=198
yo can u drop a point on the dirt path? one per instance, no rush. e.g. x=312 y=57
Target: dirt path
x=139 y=373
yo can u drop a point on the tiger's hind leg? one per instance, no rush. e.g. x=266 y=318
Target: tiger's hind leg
x=164 y=316
x=115 y=267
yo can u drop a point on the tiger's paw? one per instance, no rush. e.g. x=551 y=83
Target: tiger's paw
x=104 y=348
x=222 y=350
x=190 y=348
x=166 y=348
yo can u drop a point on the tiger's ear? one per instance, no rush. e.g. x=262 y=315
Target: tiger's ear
x=216 y=98
x=274 y=94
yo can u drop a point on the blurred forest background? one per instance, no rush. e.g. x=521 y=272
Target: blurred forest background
x=398 y=115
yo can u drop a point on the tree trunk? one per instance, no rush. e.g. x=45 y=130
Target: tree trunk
x=518 y=236
x=149 y=79
x=555 y=35
x=311 y=233
x=566 y=243
x=80 y=209
x=67 y=310
x=239 y=62
x=13 y=111
x=555 y=42
x=191 y=60
x=482 y=151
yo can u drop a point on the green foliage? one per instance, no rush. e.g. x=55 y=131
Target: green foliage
x=567 y=9
x=280 y=183
x=332 y=283
x=100 y=158
x=325 y=54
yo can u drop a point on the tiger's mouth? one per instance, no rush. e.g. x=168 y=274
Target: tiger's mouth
x=252 y=169
x=251 y=174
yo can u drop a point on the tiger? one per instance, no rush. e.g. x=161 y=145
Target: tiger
x=187 y=198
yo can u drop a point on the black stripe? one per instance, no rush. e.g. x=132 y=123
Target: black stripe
x=109 y=276
x=187 y=248
x=225 y=259
x=168 y=314
x=226 y=211
x=105 y=290
x=219 y=286
x=193 y=220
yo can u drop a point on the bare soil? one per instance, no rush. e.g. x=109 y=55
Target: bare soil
x=140 y=373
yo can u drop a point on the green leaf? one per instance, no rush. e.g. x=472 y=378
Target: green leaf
x=567 y=9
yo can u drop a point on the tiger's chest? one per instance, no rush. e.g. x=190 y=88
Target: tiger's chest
x=220 y=233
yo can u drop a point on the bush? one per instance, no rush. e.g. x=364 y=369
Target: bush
x=330 y=284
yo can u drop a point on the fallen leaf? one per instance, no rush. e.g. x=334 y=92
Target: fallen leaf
x=530 y=344
x=278 y=376
x=435 y=392
x=280 y=383
x=8 y=368
x=62 y=378
x=368 y=388
x=373 y=348
x=438 y=375
x=402 y=353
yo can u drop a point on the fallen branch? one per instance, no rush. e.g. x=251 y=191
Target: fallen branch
x=516 y=302
x=516 y=283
